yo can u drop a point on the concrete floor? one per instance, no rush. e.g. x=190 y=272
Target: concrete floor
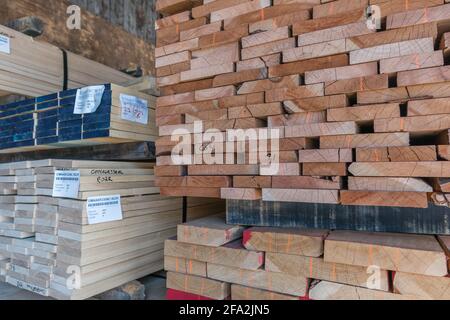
x=155 y=289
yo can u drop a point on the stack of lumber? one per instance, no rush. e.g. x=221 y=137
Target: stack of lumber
x=29 y=230
x=211 y=260
x=33 y=68
x=49 y=246
x=50 y=121
x=96 y=37
x=362 y=114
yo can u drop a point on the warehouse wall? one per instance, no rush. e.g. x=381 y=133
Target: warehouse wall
x=136 y=16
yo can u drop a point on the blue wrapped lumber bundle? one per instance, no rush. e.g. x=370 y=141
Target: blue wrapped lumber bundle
x=52 y=121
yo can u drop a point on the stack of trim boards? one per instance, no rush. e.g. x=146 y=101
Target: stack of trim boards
x=56 y=247
x=51 y=121
x=362 y=114
x=214 y=261
x=33 y=68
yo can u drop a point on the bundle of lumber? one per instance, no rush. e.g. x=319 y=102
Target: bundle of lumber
x=69 y=118
x=348 y=115
x=33 y=68
x=96 y=36
x=211 y=260
x=79 y=244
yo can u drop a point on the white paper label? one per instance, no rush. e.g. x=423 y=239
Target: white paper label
x=66 y=184
x=134 y=109
x=5 y=44
x=104 y=209
x=88 y=99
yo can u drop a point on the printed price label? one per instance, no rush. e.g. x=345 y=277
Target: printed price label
x=134 y=109
x=5 y=44
x=88 y=99
x=104 y=209
x=66 y=184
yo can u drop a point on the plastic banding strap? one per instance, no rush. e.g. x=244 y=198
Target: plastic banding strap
x=65 y=70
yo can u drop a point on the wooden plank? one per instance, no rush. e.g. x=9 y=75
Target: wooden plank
x=328 y=22
x=214 y=93
x=210 y=231
x=252 y=182
x=251 y=294
x=328 y=216
x=301 y=182
x=341 y=73
x=392 y=50
x=232 y=254
x=307 y=243
x=257 y=110
x=197 y=285
x=301 y=195
x=172 y=20
x=267 y=49
x=194 y=182
x=222 y=37
x=225 y=170
x=200 y=31
x=434 y=288
x=444 y=152
x=338 y=7
x=240 y=77
x=423 y=169
x=259 y=62
x=315 y=51
x=203 y=58
x=191 y=192
x=267 y=13
x=356 y=85
x=260 y=279
x=364 y=113
x=208 y=72
x=325 y=155
x=269 y=84
x=185 y=266
x=286 y=19
x=321 y=129
x=206 y=9
x=240 y=9
x=335 y=33
x=437 y=14
x=397 y=252
x=335 y=291
x=316 y=103
x=414 y=32
x=384 y=199
x=301 y=67
x=397 y=154
x=175 y=48
x=419 y=124
x=317 y=268
x=169 y=7
x=284 y=120
x=388 y=184
x=325 y=169
x=241 y=193
x=294 y=92
x=412 y=62
x=423 y=76
x=369 y=140
x=265 y=37
x=428 y=107
x=445 y=243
